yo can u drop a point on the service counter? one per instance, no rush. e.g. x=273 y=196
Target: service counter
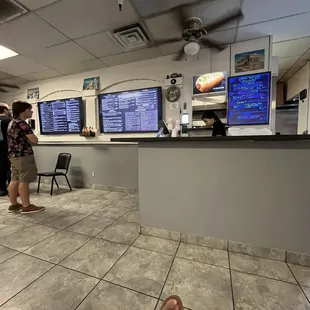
x=253 y=190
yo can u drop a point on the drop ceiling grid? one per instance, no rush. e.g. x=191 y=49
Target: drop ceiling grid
x=64 y=33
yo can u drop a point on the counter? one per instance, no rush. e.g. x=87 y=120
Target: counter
x=252 y=189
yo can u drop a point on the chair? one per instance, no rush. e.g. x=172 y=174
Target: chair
x=63 y=163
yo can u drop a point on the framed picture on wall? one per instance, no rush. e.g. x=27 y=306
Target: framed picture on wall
x=33 y=93
x=91 y=83
x=250 y=61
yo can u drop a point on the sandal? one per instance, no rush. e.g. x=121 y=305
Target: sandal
x=177 y=298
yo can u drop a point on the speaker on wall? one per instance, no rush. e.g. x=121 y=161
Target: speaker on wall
x=303 y=94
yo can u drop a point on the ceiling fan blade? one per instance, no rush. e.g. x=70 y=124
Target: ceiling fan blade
x=211 y=44
x=3 y=90
x=180 y=56
x=224 y=21
x=167 y=41
x=9 y=85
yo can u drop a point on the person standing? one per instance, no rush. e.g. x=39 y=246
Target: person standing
x=23 y=165
x=5 y=119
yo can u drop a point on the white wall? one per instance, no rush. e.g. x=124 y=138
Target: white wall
x=297 y=83
x=134 y=75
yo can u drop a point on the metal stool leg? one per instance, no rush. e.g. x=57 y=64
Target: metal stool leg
x=56 y=183
x=38 y=189
x=52 y=185
x=68 y=183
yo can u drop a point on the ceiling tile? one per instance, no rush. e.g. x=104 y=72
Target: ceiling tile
x=37 y=76
x=60 y=55
x=73 y=68
x=80 y=18
x=213 y=11
x=35 y=4
x=281 y=73
x=14 y=81
x=264 y=10
x=291 y=48
x=4 y=75
x=302 y=61
x=171 y=48
x=20 y=65
x=287 y=62
x=282 y=29
x=164 y=26
x=28 y=33
x=138 y=55
x=291 y=73
x=100 y=45
x=150 y=7
x=223 y=37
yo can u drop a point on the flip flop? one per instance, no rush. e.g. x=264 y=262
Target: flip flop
x=177 y=298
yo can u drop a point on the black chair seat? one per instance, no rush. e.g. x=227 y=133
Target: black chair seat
x=63 y=162
x=50 y=174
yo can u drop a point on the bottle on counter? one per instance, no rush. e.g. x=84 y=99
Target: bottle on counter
x=170 y=125
x=83 y=133
x=176 y=130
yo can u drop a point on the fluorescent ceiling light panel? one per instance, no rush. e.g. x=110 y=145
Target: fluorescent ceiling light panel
x=6 y=53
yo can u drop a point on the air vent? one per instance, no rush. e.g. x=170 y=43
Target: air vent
x=131 y=37
x=10 y=9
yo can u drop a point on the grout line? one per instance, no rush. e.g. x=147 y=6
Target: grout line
x=298 y=282
x=106 y=273
x=58 y=264
x=264 y=277
x=168 y=273
x=128 y=288
x=140 y=248
x=28 y=285
x=231 y=284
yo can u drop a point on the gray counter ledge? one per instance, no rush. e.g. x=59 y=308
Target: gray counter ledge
x=280 y=138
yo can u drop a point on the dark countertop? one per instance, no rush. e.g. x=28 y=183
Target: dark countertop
x=218 y=138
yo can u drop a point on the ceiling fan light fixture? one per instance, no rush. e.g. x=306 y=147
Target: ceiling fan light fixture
x=6 y=53
x=191 y=48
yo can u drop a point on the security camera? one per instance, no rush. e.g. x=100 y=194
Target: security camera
x=120 y=4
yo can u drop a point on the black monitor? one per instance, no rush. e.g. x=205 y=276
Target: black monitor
x=63 y=116
x=249 y=99
x=130 y=111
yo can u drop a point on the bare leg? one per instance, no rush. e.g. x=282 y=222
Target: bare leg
x=24 y=194
x=13 y=192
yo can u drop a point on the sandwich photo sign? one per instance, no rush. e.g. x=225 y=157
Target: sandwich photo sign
x=210 y=83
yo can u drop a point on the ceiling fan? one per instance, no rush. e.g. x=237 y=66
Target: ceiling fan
x=195 y=34
x=4 y=86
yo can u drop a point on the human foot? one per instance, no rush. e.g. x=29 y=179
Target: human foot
x=172 y=303
x=32 y=209
x=15 y=208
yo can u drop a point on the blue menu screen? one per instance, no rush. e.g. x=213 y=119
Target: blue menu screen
x=64 y=116
x=248 y=99
x=130 y=111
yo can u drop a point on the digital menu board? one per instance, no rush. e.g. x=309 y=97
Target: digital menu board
x=130 y=111
x=249 y=99
x=63 y=116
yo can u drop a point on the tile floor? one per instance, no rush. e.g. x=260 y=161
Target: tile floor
x=86 y=252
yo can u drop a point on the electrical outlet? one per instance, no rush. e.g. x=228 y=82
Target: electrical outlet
x=93 y=174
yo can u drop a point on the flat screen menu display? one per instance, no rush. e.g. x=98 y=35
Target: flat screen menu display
x=64 y=116
x=130 y=111
x=248 y=99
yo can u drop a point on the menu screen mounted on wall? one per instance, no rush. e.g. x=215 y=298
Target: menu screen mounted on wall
x=210 y=83
x=130 y=111
x=63 y=116
x=248 y=99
